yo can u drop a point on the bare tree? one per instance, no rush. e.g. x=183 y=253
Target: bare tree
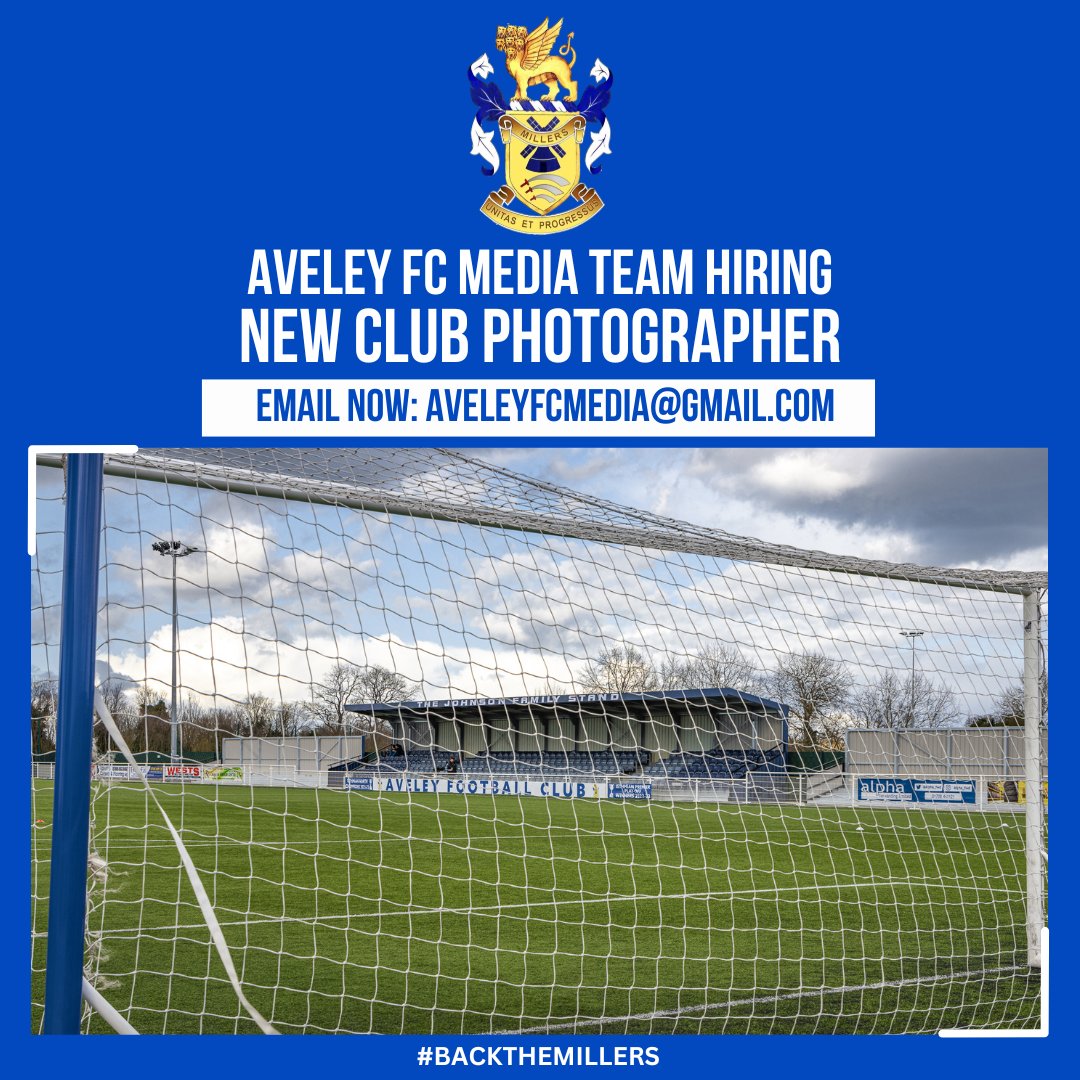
x=816 y=688
x=346 y=684
x=379 y=685
x=114 y=693
x=43 y=715
x=43 y=696
x=149 y=728
x=257 y=714
x=220 y=723
x=623 y=669
x=717 y=665
x=291 y=717
x=1010 y=706
x=897 y=703
x=198 y=726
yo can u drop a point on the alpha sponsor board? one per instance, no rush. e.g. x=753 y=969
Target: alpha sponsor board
x=893 y=790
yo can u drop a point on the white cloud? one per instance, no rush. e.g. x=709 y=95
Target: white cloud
x=802 y=473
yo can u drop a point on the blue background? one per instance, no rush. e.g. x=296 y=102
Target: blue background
x=151 y=148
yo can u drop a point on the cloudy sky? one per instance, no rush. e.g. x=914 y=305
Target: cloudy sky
x=281 y=591
x=949 y=507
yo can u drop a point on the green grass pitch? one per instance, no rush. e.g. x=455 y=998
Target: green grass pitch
x=457 y=914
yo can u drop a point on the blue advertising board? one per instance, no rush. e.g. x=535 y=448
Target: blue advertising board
x=629 y=791
x=891 y=790
x=480 y=785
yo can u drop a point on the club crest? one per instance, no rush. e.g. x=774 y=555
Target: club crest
x=541 y=137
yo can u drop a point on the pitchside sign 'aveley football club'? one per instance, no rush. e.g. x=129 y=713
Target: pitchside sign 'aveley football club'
x=543 y=789
x=541 y=137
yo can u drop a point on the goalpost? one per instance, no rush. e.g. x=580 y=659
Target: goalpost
x=401 y=741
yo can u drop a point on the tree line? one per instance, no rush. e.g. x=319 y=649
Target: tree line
x=142 y=712
x=823 y=695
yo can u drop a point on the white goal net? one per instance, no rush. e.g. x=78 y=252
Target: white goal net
x=414 y=744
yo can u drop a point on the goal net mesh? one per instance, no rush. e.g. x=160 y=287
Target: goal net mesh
x=605 y=772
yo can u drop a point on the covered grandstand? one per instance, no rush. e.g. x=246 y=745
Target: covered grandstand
x=715 y=734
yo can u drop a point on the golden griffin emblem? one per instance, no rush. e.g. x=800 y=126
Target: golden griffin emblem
x=541 y=137
x=530 y=63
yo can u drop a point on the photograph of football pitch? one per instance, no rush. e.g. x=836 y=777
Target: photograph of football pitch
x=399 y=913
x=402 y=741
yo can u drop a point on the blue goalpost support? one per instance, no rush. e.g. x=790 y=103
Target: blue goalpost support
x=74 y=731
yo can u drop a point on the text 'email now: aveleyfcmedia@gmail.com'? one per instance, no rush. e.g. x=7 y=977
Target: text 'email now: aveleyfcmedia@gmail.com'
x=490 y=408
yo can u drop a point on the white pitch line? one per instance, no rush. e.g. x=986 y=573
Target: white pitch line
x=575 y=901
x=745 y=836
x=770 y=999
x=305 y=845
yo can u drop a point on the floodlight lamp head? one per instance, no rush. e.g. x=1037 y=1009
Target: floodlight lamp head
x=176 y=548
